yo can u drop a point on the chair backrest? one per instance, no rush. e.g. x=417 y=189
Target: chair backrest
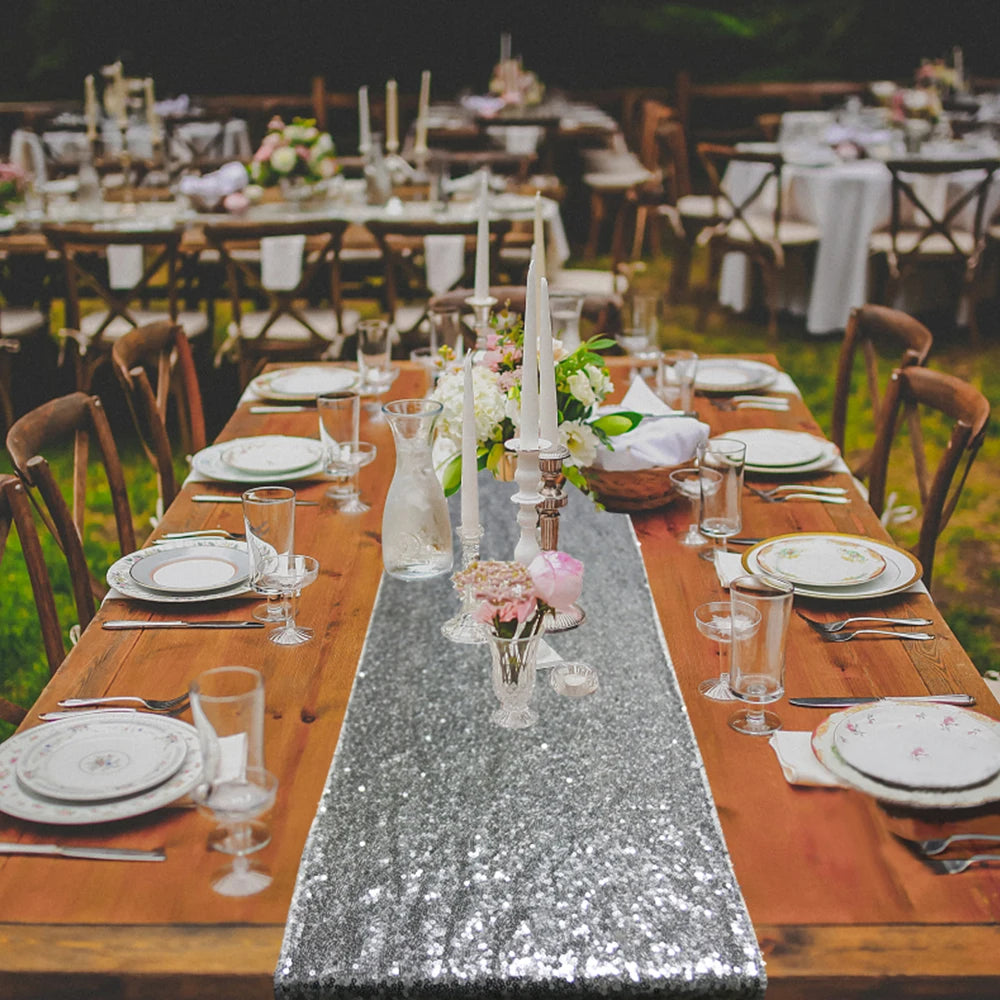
x=878 y=332
x=399 y=237
x=74 y=418
x=164 y=347
x=911 y=391
x=673 y=159
x=15 y=510
x=751 y=210
x=240 y=246
x=936 y=227
x=120 y=268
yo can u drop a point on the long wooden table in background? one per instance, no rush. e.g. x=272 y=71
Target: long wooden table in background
x=841 y=907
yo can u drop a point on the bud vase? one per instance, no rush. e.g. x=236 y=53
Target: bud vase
x=513 y=676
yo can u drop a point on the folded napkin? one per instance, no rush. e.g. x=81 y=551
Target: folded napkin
x=124 y=266
x=653 y=442
x=281 y=261
x=798 y=762
x=444 y=260
x=212 y=188
x=479 y=104
x=728 y=566
x=173 y=106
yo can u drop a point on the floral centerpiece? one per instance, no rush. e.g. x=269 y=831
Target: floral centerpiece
x=515 y=84
x=582 y=383
x=935 y=74
x=299 y=150
x=12 y=183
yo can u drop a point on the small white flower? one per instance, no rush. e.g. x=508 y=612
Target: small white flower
x=283 y=160
x=580 y=440
x=581 y=389
x=600 y=381
x=558 y=351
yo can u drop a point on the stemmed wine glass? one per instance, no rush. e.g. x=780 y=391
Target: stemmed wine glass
x=688 y=483
x=721 y=504
x=374 y=368
x=227 y=704
x=758 y=656
x=288 y=575
x=269 y=522
x=718 y=620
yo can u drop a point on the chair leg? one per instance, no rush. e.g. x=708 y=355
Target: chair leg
x=639 y=236
x=769 y=274
x=680 y=272
x=596 y=221
x=709 y=292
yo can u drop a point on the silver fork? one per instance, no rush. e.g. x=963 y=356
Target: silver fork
x=847 y=636
x=204 y=533
x=937 y=846
x=952 y=866
x=157 y=705
x=830 y=491
x=818 y=497
x=825 y=628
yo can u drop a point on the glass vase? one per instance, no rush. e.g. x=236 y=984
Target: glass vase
x=416 y=530
x=513 y=676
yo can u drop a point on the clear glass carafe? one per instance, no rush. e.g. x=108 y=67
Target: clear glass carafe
x=416 y=531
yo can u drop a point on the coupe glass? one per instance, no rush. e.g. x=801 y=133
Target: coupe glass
x=758 y=656
x=688 y=483
x=227 y=704
x=718 y=620
x=269 y=521
x=721 y=515
x=288 y=574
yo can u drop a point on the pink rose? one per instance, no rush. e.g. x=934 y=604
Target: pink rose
x=558 y=578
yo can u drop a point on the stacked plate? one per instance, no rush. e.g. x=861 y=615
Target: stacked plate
x=270 y=458
x=302 y=385
x=185 y=571
x=784 y=453
x=914 y=753
x=832 y=566
x=728 y=375
x=98 y=768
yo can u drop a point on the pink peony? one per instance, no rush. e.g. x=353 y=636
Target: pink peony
x=557 y=577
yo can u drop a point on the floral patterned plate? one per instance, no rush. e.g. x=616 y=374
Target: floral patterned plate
x=210 y=463
x=821 y=560
x=102 y=757
x=922 y=798
x=925 y=746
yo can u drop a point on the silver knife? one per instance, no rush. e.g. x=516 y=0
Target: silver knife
x=125 y=624
x=95 y=853
x=280 y=409
x=944 y=699
x=218 y=498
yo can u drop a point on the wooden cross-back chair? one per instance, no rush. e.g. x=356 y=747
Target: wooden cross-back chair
x=911 y=392
x=875 y=331
x=288 y=328
x=76 y=419
x=942 y=235
x=15 y=511
x=751 y=222
x=124 y=303
x=161 y=346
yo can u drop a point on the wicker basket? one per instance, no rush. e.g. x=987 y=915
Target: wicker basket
x=639 y=489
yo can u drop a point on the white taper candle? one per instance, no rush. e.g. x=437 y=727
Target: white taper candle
x=364 y=122
x=470 y=487
x=482 y=287
x=548 y=412
x=90 y=106
x=539 y=238
x=391 y=117
x=528 y=430
x=420 y=142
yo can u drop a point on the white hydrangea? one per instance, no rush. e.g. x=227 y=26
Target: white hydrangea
x=491 y=404
x=283 y=159
x=581 y=389
x=580 y=440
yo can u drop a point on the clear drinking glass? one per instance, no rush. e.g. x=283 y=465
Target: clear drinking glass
x=644 y=314
x=447 y=329
x=675 y=375
x=344 y=455
x=566 y=309
x=227 y=704
x=721 y=514
x=718 y=620
x=269 y=520
x=373 y=351
x=689 y=483
x=757 y=672
x=288 y=574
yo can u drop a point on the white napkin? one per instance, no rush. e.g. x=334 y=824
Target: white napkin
x=444 y=259
x=212 y=188
x=654 y=442
x=281 y=261
x=798 y=762
x=124 y=266
x=728 y=566
x=27 y=153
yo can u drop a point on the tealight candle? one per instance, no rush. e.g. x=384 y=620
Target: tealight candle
x=470 y=487
x=482 y=286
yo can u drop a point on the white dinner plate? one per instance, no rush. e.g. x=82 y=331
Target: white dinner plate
x=920 y=746
x=273 y=454
x=120 y=577
x=210 y=463
x=770 y=448
x=192 y=569
x=102 y=757
x=732 y=375
x=302 y=384
x=17 y=800
x=901 y=571
x=829 y=454
x=924 y=798
x=821 y=560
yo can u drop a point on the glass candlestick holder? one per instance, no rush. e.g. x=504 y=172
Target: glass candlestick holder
x=463 y=627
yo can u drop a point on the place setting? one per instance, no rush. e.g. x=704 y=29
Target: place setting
x=268 y=458
x=776 y=452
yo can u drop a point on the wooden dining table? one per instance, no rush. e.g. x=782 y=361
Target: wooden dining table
x=841 y=905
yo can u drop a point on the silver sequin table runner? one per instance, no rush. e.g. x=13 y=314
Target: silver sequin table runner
x=582 y=857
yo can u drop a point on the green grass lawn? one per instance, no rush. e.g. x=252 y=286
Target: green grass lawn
x=967 y=565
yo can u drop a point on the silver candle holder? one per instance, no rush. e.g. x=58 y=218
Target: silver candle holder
x=463 y=627
x=481 y=309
